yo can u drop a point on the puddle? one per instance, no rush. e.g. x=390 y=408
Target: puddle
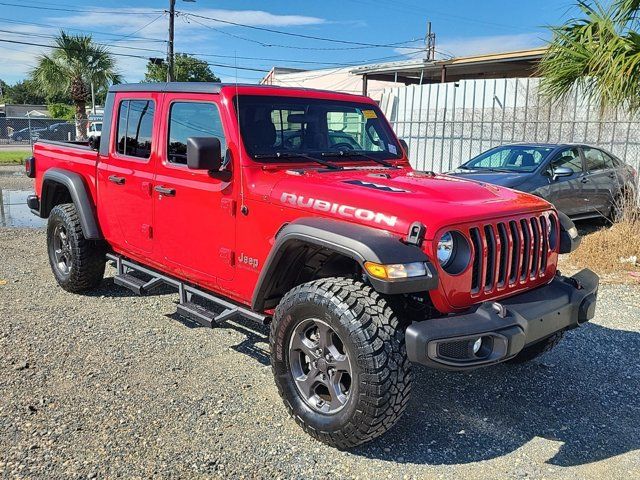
x=14 y=211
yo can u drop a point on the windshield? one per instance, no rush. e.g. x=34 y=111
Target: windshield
x=510 y=158
x=306 y=126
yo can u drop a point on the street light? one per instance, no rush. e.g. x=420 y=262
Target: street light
x=172 y=14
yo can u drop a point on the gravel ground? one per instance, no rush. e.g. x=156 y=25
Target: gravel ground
x=111 y=385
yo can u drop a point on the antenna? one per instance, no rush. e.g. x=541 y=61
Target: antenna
x=243 y=207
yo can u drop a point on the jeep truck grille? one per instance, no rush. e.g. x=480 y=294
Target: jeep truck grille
x=507 y=256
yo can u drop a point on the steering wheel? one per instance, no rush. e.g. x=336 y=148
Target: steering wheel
x=342 y=146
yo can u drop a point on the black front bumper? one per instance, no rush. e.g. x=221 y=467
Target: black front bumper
x=502 y=329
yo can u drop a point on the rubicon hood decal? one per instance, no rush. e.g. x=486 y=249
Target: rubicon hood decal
x=346 y=211
x=376 y=186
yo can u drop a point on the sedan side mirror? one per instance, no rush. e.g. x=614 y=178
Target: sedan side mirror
x=561 y=172
x=204 y=153
x=404 y=145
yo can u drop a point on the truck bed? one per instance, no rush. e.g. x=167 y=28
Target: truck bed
x=76 y=157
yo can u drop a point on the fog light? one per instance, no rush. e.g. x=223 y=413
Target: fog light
x=476 y=345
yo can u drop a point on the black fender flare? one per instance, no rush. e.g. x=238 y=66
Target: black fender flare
x=358 y=242
x=569 y=237
x=77 y=189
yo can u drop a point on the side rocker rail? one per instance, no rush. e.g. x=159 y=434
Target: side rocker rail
x=187 y=306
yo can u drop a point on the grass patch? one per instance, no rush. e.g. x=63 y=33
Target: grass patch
x=615 y=248
x=13 y=157
x=603 y=250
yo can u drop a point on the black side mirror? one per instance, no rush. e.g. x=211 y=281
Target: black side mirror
x=204 y=153
x=94 y=143
x=405 y=146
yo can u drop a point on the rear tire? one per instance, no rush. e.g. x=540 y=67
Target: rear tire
x=346 y=323
x=533 y=351
x=77 y=263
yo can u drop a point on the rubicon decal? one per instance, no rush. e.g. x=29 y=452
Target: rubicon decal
x=346 y=211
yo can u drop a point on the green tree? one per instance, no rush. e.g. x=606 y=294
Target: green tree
x=61 y=111
x=74 y=63
x=24 y=92
x=186 y=69
x=598 y=52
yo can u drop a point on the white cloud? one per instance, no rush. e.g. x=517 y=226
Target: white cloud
x=16 y=59
x=461 y=47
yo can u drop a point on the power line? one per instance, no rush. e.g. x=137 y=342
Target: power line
x=221 y=65
x=73 y=10
x=94 y=32
x=301 y=35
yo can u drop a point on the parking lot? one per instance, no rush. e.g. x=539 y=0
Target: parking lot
x=111 y=385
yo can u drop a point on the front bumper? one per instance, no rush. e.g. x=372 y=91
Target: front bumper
x=504 y=327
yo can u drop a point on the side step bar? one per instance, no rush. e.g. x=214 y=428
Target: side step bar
x=187 y=307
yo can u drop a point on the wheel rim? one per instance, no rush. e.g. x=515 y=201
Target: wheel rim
x=62 y=249
x=320 y=366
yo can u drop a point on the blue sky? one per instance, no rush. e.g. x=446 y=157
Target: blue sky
x=137 y=29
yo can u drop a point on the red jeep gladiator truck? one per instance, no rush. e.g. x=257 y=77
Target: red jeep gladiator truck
x=299 y=208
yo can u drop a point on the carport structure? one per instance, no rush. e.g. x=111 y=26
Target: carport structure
x=516 y=64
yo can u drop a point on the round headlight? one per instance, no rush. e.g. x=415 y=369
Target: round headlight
x=445 y=249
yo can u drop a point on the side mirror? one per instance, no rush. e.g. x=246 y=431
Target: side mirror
x=204 y=153
x=94 y=143
x=404 y=145
x=561 y=172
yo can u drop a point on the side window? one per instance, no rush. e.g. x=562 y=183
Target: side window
x=568 y=158
x=608 y=161
x=192 y=119
x=135 y=124
x=594 y=159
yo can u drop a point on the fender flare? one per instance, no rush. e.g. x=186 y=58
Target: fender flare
x=570 y=239
x=358 y=242
x=74 y=183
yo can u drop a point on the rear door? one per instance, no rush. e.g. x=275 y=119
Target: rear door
x=597 y=181
x=565 y=192
x=127 y=174
x=195 y=216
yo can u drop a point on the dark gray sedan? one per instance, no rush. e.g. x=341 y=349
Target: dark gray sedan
x=580 y=180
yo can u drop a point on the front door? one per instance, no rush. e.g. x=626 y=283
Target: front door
x=194 y=212
x=565 y=192
x=127 y=175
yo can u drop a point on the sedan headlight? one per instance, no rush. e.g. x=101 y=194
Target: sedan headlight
x=446 y=249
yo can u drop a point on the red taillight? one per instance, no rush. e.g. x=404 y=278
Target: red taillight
x=30 y=167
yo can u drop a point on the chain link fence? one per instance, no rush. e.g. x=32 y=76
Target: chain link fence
x=446 y=124
x=24 y=131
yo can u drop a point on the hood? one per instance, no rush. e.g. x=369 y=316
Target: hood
x=393 y=199
x=504 y=179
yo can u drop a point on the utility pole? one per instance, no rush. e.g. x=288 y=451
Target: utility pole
x=430 y=44
x=172 y=14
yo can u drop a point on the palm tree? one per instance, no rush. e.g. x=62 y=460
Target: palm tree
x=599 y=53
x=73 y=65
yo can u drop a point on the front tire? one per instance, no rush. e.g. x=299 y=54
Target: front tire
x=77 y=263
x=339 y=361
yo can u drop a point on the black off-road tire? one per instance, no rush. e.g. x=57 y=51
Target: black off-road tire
x=533 y=351
x=374 y=341
x=87 y=257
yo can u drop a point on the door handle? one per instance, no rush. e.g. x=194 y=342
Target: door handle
x=169 y=192
x=117 y=180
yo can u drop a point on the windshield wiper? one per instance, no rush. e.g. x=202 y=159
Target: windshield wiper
x=491 y=169
x=354 y=153
x=276 y=155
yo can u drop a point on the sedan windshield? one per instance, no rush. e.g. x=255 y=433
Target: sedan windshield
x=509 y=158
x=290 y=129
